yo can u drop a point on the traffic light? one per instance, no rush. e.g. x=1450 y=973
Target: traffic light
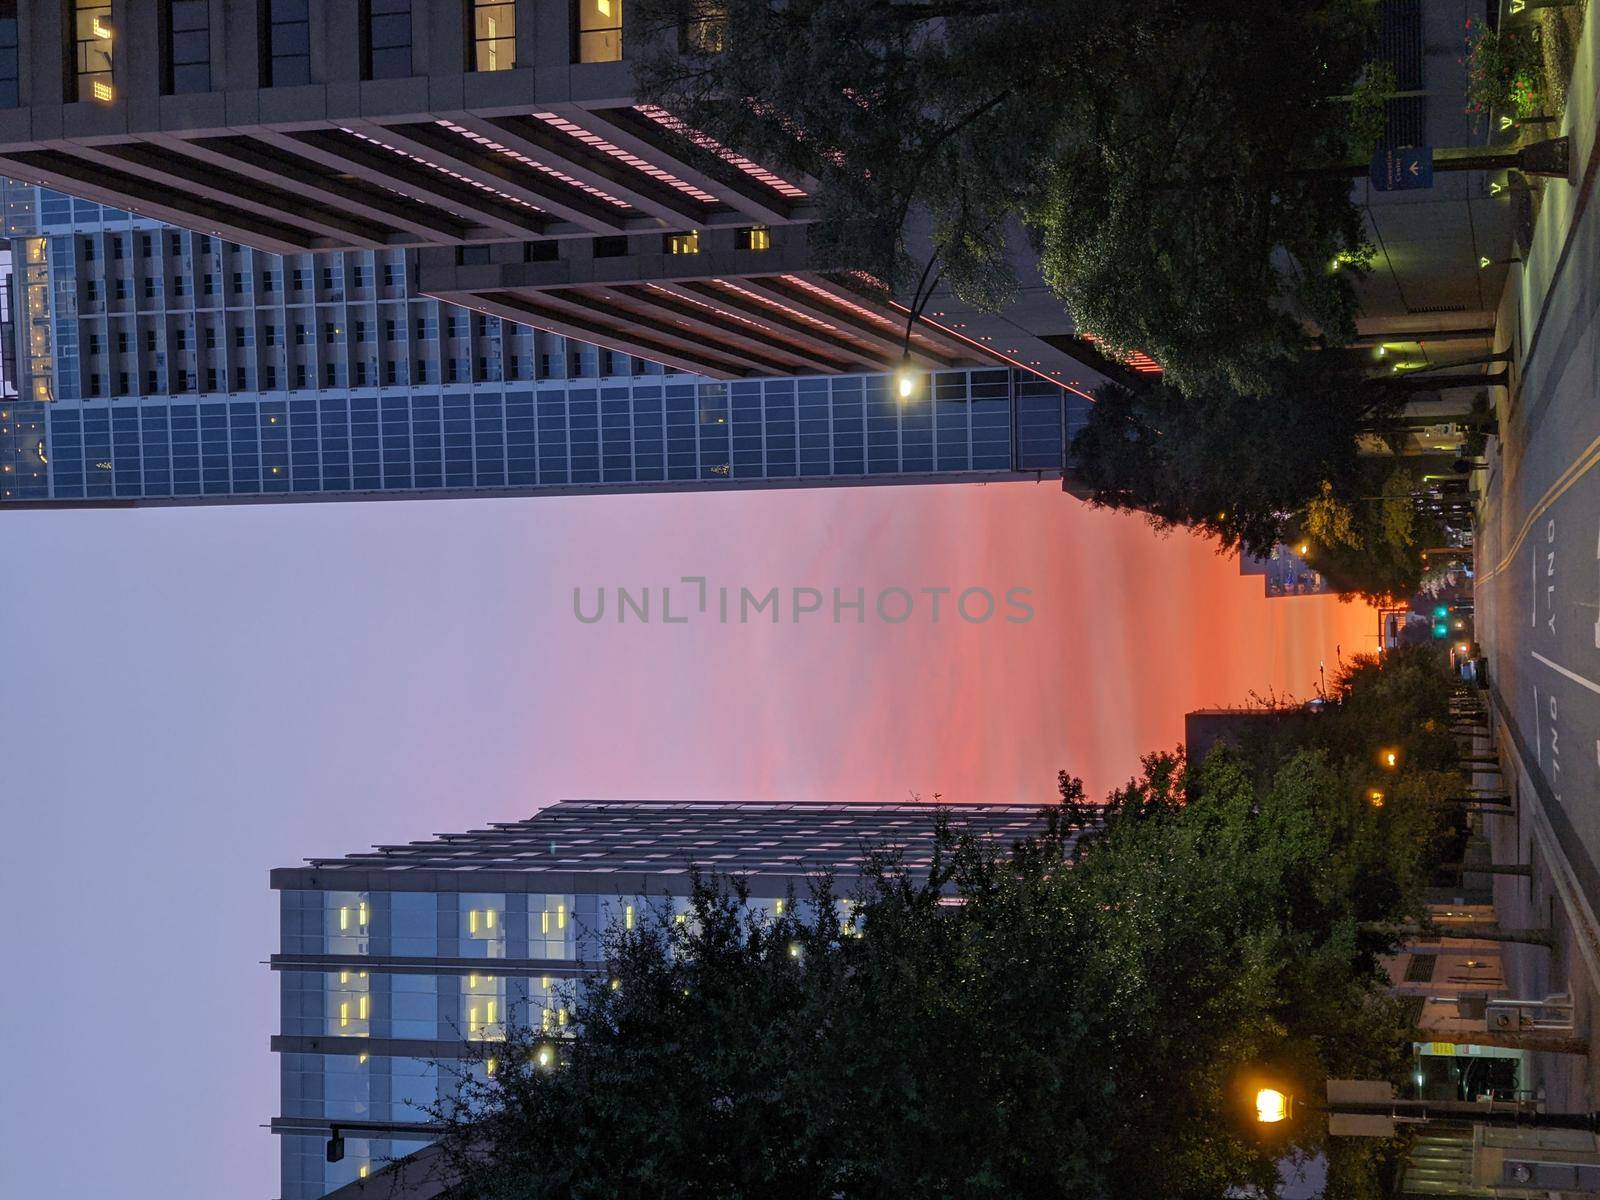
x=1441 y=629
x=1442 y=611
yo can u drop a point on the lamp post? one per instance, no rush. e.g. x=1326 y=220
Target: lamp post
x=1367 y=1117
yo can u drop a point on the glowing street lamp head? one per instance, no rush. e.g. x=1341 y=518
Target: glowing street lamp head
x=1375 y=798
x=1272 y=1106
x=1389 y=758
x=1304 y=548
x=905 y=379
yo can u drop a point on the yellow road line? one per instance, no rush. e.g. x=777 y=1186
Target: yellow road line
x=1574 y=472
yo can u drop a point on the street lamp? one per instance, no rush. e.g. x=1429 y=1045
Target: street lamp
x=1272 y=1106
x=1389 y=758
x=1375 y=798
x=905 y=379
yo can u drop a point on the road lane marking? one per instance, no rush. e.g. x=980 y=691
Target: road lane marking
x=1575 y=471
x=1572 y=675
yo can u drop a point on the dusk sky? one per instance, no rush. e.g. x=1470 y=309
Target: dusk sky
x=193 y=696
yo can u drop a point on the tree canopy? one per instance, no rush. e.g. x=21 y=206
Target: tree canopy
x=1232 y=465
x=1162 y=158
x=1073 y=1018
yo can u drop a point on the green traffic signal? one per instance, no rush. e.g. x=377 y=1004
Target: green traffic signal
x=1440 y=629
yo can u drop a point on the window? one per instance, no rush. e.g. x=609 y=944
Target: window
x=152 y=287
x=301 y=279
x=302 y=334
x=147 y=245
x=122 y=341
x=180 y=285
x=150 y=341
x=88 y=251
x=546 y=251
x=91 y=290
x=274 y=335
x=187 y=45
x=330 y=334
x=95 y=345
x=392 y=275
x=756 y=237
x=269 y=376
x=122 y=288
x=300 y=379
x=176 y=242
x=330 y=280
x=211 y=337
x=422 y=370
x=286 y=43
x=10 y=63
x=152 y=381
x=471 y=256
x=94 y=384
x=390 y=329
x=599 y=27
x=208 y=284
x=610 y=247
x=386 y=39
x=494 y=35
x=116 y=247
x=91 y=34
x=391 y=372
x=682 y=243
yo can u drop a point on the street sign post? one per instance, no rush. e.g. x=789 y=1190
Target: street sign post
x=1402 y=168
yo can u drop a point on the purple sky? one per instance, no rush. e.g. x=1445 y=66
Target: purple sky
x=192 y=697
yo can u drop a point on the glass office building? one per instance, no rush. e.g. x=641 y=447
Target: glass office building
x=152 y=365
x=393 y=963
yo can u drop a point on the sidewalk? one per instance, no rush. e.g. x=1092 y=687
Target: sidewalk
x=1550 y=898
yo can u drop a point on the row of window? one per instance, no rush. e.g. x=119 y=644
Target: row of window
x=750 y=237
x=387 y=42
x=362 y=373
x=580 y=436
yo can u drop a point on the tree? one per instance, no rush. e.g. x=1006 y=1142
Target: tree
x=1168 y=162
x=1076 y=1025
x=1230 y=465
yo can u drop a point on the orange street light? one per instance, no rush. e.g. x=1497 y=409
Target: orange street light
x=1375 y=798
x=1389 y=758
x=1272 y=1106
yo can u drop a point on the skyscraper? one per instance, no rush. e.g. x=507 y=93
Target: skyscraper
x=500 y=140
x=161 y=366
x=395 y=962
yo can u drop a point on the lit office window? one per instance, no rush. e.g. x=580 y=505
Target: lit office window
x=683 y=243
x=483 y=926
x=599 y=27
x=483 y=1001
x=494 y=35
x=92 y=50
x=286 y=29
x=10 y=63
x=755 y=237
x=349 y=1003
x=386 y=33
x=550 y=926
x=188 y=46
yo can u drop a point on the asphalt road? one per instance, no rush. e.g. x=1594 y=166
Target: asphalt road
x=1538 y=551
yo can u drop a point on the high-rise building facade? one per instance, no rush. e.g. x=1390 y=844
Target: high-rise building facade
x=499 y=139
x=154 y=365
x=396 y=964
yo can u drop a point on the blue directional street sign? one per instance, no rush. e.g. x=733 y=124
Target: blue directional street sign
x=1401 y=168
